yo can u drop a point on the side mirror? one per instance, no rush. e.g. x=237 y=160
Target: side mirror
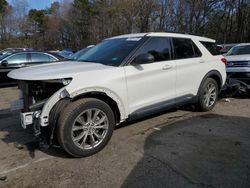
x=4 y=63
x=144 y=59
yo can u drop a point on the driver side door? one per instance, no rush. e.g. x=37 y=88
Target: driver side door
x=152 y=86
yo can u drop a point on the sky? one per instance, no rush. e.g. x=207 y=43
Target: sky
x=37 y=4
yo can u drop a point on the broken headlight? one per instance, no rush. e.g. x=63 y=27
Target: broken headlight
x=64 y=81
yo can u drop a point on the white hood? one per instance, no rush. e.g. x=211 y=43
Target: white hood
x=238 y=57
x=51 y=71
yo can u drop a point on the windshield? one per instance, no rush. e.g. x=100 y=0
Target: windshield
x=111 y=52
x=239 y=50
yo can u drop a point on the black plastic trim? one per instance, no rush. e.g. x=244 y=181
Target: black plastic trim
x=162 y=106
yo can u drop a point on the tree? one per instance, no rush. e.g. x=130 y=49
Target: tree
x=4 y=10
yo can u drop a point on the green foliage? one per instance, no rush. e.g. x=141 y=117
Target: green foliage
x=39 y=19
x=3 y=5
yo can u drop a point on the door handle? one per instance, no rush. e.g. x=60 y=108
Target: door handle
x=201 y=61
x=167 y=67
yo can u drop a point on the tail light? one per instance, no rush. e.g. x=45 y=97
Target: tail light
x=224 y=60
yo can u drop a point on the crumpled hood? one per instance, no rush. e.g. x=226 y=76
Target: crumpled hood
x=238 y=58
x=58 y=70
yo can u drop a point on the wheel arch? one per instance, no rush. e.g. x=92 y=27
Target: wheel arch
x=108 y=97
x=215 y=75
x=211 y=74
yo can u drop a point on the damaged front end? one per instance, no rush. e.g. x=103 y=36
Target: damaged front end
x=42 y=102
x=234 y=87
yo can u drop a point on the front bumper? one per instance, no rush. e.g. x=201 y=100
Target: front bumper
x=242 y=76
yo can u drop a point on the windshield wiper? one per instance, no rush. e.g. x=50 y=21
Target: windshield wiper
x=86 y=61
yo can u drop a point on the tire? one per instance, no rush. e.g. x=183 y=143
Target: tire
x=203 y=104
x=89 y=118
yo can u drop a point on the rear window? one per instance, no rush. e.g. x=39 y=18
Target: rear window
x=185 y=48
x=211 y=47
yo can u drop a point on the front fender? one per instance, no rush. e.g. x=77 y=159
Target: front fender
x=63 y=93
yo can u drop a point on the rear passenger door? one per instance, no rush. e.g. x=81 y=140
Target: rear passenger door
x=188 y=60
x=152 y=85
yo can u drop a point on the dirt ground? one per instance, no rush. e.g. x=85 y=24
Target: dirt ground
x=174 y=149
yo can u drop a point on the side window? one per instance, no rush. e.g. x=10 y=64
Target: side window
x=185 y=48
x=39 y=57
x=211 y=47
x=17 y=58
x=159 y=47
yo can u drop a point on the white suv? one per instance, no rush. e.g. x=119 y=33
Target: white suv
x=121 y=78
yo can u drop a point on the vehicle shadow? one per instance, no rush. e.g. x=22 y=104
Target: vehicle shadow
x=203 y=151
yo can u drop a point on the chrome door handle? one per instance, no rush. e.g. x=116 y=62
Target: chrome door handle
x=167 y=67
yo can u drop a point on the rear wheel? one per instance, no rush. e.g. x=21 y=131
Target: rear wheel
x=85 y=127
x=208 y=95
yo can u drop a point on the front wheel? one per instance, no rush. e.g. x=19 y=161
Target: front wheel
x=208 y=95
x=85 y=127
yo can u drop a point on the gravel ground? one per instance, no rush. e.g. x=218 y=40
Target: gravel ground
x=174 y=149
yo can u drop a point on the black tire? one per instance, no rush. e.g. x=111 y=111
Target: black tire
x=67 y=119
x=201 y=104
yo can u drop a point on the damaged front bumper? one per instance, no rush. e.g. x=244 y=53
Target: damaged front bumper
x=40 y=107
x=235 y=86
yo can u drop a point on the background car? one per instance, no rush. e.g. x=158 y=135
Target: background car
x=16 y=60
x=65 y=53
x=12 y=50
x=226 y=47
x=238 y=62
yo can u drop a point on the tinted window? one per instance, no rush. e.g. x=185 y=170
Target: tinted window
x=239 y=50
x=17 y=58
x=111 y=52
x=40 y=57
x=159 y=47
x=185 y=48
x=211 y=47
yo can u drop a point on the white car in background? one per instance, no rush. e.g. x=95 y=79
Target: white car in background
x=122 y=78
x=238 y=62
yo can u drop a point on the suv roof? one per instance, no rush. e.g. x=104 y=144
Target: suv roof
x=164 y=34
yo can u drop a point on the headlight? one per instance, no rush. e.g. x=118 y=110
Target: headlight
x=64 y=81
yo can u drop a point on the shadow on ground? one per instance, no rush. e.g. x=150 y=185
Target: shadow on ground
x=204 y=151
